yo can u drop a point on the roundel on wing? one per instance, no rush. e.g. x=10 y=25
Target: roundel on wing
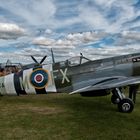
x=39 y=78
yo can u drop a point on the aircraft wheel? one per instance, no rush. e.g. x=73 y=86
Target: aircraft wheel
x=115 y=99
x=126 y=105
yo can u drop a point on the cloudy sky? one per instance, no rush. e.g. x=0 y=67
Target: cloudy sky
x=97 y=28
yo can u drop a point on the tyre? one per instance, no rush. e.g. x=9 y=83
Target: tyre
x=126 y=105
x=114 y=99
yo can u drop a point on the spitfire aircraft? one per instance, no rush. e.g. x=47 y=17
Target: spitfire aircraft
x=78 y=75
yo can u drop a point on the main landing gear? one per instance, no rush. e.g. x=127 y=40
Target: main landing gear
x=125 y=105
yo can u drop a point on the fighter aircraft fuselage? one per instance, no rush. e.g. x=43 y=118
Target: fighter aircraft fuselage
x=66 y=76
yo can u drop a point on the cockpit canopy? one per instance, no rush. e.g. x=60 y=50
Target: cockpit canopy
x=73 y=61
x=77 y=60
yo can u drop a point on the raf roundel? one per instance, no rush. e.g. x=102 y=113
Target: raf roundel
x=39 y=78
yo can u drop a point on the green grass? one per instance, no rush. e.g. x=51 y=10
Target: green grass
x=66 y=117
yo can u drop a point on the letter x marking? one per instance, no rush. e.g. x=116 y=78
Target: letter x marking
x=64 y=73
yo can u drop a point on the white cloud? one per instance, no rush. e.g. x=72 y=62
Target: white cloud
x=13 y=58
x=10 y=31
x=44 y=13
x=51 y=43
x=33 y=12
x=105 y=52
x=38 y=13
x=86 y=37
x=109 y=16
x=96 y=16
x=48 y=31
x=63 y=54
x=71 y=40
x=127 y=38
x=92 y=17
x=133 y=35
x=7 y=27
x=43 y=41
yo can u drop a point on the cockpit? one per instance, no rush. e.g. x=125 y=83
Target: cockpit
x=77 y=60
x=73 y=61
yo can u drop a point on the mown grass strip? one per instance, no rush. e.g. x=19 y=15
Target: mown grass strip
x=66 y=117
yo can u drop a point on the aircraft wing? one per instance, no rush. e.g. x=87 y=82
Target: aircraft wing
x=109 y=83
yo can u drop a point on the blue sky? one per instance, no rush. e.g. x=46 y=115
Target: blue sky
x=98 y=28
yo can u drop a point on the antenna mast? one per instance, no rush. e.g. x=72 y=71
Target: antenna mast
x=52 y=56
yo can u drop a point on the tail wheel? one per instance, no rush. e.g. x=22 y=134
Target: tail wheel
x=126 y=105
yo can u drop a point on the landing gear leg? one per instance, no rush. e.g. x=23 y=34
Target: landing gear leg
x=132 y=92
x=125 y=105
x=117 y=96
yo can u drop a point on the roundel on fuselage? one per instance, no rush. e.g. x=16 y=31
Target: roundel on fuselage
x=39 y=78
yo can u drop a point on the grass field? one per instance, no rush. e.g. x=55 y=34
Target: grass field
x=66 y=117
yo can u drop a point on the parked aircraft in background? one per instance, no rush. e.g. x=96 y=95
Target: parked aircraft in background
x=78 y=75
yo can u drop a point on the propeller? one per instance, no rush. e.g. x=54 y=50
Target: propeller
x=43 y=59
x=40 y=61
x=34 y=59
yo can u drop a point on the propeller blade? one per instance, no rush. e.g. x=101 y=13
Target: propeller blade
x=43 y=59
x=34 y=59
